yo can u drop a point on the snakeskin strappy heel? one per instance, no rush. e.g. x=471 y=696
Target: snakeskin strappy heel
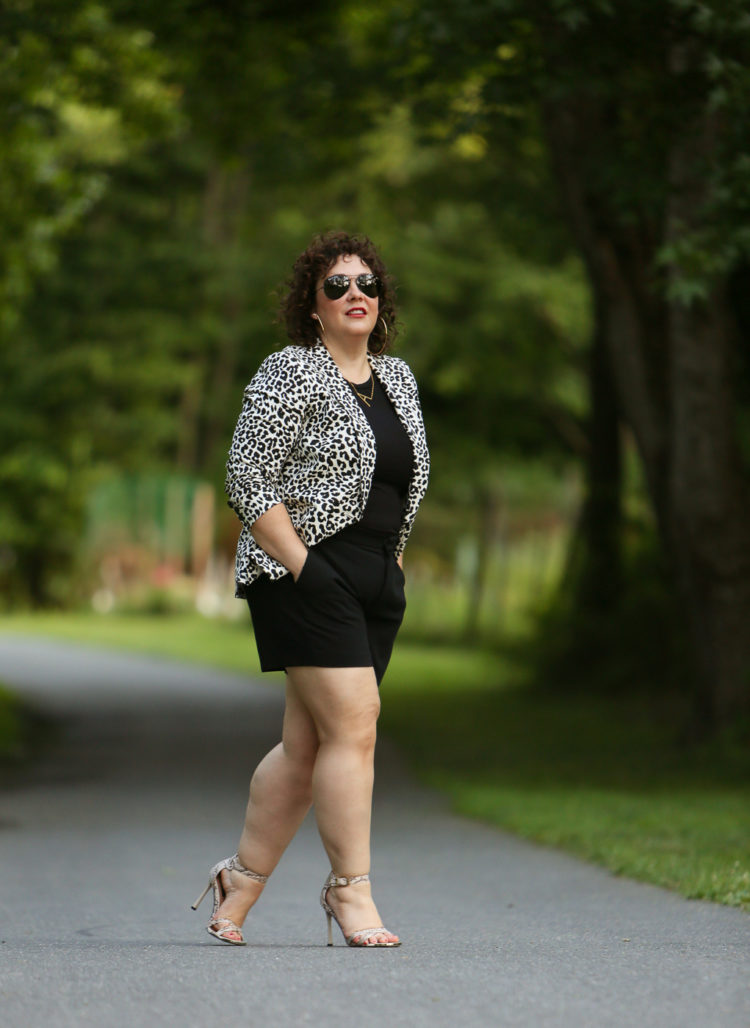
x=356 y=938
x=219 y=926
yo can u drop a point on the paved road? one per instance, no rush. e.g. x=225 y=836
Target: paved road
x=106 y=843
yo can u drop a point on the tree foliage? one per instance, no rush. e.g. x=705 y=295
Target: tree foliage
x=194 y=151
x=643 y=112
x=560 y=187
x=80 y=94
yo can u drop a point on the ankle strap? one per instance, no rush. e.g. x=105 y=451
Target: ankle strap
x=338 y=880
x=234 y=864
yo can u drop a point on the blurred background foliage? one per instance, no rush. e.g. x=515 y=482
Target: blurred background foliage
x=561 y=192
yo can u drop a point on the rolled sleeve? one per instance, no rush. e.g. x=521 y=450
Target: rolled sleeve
x=266 y=431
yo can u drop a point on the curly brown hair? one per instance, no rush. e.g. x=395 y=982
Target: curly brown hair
x=322 y=253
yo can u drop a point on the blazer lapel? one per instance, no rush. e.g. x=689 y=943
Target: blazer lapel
x=339 y=387
x=342 y=392
x=408 y=412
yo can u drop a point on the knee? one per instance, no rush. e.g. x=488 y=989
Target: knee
x=356 y=727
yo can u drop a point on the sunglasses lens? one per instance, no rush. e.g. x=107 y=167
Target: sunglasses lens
x=369 y=284
x=335 y=286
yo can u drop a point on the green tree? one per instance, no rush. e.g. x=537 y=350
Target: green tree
x=643 y=111
x=154 y=305
x=142 y=173
x=79 y=93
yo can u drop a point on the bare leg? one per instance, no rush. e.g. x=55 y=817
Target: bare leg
x=344 y=704
x=280 y=796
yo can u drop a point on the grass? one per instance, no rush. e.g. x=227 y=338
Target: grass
x=606 y=779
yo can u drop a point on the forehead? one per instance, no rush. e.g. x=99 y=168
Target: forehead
x=347 y=264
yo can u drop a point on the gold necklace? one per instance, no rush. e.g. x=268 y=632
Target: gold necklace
x=367 y=400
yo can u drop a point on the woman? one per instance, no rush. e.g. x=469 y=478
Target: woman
x=327 y=468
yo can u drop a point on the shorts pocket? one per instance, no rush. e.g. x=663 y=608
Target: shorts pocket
x=316 y=574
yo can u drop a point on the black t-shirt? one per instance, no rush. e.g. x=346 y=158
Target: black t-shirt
x=394 y=461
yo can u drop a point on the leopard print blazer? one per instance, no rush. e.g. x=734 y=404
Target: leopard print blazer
x=302 y=440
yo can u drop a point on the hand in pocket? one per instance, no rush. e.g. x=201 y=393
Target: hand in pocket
x=316 y=574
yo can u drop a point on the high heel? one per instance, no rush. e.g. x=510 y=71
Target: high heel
x=356 y=938
x=219 y=926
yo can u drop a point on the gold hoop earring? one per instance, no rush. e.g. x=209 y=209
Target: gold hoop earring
x=377 y=353
x=319 y=321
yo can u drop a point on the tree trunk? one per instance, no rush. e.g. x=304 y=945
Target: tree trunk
x=224 y=204
x=707 y=489
x=598 y=571
x=708 y=504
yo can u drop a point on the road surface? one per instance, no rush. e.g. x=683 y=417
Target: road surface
x=108 y=839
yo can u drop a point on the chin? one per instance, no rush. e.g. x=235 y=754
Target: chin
x=363 y=331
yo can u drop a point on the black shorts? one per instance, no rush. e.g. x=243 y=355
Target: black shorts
x=344 y=610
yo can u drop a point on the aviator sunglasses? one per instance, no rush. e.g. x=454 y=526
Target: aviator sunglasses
x=335 y=286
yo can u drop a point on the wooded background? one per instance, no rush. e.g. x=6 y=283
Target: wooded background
x=562 y=191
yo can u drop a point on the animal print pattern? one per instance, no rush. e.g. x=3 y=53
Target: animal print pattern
x=302 y=440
